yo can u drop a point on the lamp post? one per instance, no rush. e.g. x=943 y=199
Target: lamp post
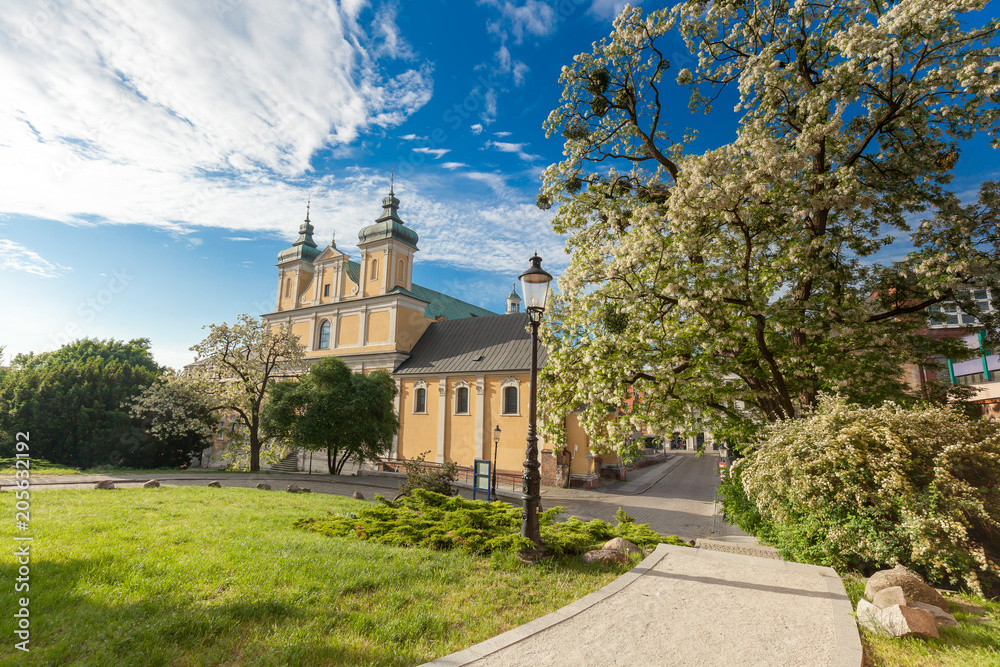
x=496 y=443
x=535 y=287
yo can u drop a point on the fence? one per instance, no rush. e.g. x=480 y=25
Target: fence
x=505 y=480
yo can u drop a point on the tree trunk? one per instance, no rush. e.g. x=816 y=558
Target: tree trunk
x=331 y=460
x=254 y=447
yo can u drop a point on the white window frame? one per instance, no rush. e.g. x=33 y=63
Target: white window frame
x=461 y=384
x=947 y=309
x=417 y=386
x=504 y=384
x=319 y=335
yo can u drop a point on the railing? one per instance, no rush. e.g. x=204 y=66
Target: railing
x=505 y=480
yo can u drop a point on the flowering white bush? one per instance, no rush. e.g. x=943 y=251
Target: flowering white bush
x=856 y=487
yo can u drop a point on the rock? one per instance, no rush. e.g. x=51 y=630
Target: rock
x=888 y=597
x=966 y=607
x=357 y=495
x=105 y=484
x=293 y=488
x=622 y=545
x=604 y=557
x=264 y=487
x=913 y=587
x=304 y=489
x=897 y=620
x=151 y=484
x=216 y=485
x=943 y=618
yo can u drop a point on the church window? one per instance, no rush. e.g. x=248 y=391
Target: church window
x=462 y=401
x=324 y=335
x=510 y=401
x=374 y=272
x=288 y=287
x=326 y=290
x=420 y=400
x=401 y=272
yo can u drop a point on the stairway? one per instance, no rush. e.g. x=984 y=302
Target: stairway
x=288 y=464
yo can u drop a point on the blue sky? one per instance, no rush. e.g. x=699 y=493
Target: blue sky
x=155 y=157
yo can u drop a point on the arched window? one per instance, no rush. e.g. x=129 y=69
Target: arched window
x=374 y=273
x=510 y=400
x=462 y=401
x=420 y=400
x=324 y=335
x=401 y=272
x=288 y=287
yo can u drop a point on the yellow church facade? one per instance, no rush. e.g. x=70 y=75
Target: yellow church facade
x=461 y=370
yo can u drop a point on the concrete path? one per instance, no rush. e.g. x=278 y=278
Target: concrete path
x=684 y=606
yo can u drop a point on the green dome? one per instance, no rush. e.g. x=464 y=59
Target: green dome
x=388 y=225
x=304 y=248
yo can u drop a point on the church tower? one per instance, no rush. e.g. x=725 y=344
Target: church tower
x=295 y=267
x=513 y=300
x=387 y=249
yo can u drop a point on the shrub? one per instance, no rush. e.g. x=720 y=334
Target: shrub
x=437 y=480
x=428 y=519
x=862 y=488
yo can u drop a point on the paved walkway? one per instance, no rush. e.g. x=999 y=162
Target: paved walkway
x=690 y=607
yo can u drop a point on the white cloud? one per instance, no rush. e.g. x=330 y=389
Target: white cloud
x=16 y=257
x=182 y=101
x=436 y=152
x=239 y=238
x=388 y=41
x=501 y=134
x=453 y=165
x=489 y=107
x=533 y=17
x=412 y=137
x=606 y=10
x=476 y=129
x=506 y=147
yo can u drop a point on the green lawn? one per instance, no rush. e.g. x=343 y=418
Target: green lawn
x=203 y=576
x=973 y=643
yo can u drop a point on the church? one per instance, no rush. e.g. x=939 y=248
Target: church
x=461 y=371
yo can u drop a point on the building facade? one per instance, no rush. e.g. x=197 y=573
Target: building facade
x=461 y=370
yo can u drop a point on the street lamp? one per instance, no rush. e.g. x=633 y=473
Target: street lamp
x=496 y=443
x=535 y=286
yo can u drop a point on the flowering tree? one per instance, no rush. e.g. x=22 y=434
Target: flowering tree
x=742 y=281
x=236 y=363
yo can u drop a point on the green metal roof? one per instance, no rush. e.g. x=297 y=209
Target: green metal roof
x=442 y=305
x=353 y=271
x=388 y=225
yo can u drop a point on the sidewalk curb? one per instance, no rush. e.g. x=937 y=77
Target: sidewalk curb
x=671 y=463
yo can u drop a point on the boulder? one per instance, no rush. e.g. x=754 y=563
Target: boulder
x=357 y=495
x=622 y=545
x=151 y=484
x=604 y=557
x=941 y=617
x=264 y=487
x=293 y=488
x=105 y=484
x=215 y=485
x=897 y=620
x=913 y=587
x=888 y=597
x=305 y=489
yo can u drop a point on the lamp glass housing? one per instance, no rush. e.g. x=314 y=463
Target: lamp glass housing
x=535 y=286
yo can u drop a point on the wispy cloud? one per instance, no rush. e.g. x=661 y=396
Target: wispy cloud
x=606 y=10
x=183 y=101
x=16 y=257
x=413 y=137
x=501 y=134
x=506 y=147
x=453 y=165
x=476 y=129
x=531 y=18
x=436 y=152
x=239 y=238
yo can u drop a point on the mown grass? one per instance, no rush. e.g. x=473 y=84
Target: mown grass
x=36 y=467
x=204 y=576
x=973 y=643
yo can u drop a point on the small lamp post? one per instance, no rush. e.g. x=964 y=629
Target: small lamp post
x=496 y=443
x=535 y=287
